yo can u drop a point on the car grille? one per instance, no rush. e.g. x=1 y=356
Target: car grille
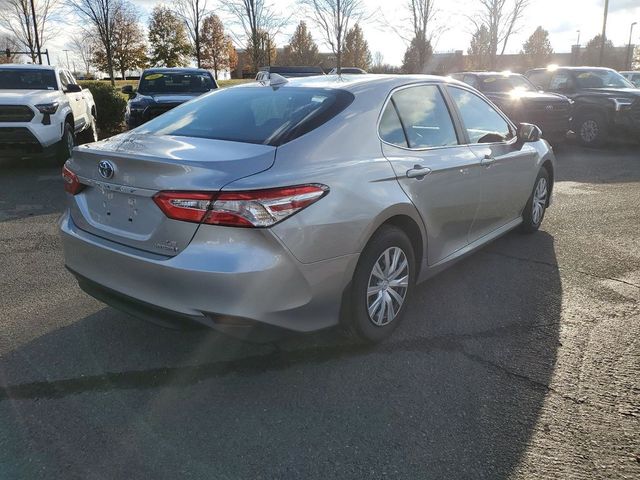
x=15 y=113
x=19 y=140
x=154 y=111
x=550 y=110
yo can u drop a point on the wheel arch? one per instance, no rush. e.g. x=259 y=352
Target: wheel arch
x=548 y=166
x=411 y=224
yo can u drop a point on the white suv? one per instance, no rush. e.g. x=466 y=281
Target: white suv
x=43 y=111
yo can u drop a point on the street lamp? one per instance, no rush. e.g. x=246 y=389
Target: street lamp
x=578 y=40
x=629 y=49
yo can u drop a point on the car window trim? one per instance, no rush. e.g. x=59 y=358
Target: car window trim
x=492 y=105
x=438 y=85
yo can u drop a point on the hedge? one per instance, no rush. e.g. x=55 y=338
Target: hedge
x=110 y=107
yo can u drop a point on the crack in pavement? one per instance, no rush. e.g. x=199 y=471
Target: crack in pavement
x=276 y=360
x=555 y=265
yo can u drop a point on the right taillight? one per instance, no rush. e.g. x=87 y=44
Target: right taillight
x=72 y=184
x=255 y=208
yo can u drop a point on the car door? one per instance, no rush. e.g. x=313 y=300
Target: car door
x=82 y=111
x=506 y=165
x=75 y=100
x=437 y=173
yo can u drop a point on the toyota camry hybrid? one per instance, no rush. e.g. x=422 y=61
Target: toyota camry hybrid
x=300 y=204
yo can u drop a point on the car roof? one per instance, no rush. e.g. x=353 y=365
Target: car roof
x=292 y=68
x=486 y=74
x=357 y=82
x=577 y=69
x=27 y=66
x=175 y=69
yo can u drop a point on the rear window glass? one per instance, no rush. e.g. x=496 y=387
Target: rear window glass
x=175 y=82
x=260 y=115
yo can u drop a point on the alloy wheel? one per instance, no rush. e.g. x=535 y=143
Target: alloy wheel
x=69 y=141
x=539 y=201
x=589 y=130
x=387 y=287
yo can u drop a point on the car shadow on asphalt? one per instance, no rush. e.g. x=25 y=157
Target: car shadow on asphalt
x=455 y=393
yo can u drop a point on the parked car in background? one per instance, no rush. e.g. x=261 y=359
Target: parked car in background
x=161 y=89
x=43 y=112
x=633 y=77
x=320 y=202
x=606 y=104
x=288 y=72
x=522 y=102
x=348 y=71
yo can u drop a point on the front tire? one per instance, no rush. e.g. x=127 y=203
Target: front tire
x=382 y=285
x=591 y=129
x=537 y=204
x=68 y=141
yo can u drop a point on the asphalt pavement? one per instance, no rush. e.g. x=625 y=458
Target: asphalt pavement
x=520 y=362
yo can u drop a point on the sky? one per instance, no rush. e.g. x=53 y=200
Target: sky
x=562 y=18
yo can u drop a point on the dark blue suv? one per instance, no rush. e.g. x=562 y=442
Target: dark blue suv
x=161 y=89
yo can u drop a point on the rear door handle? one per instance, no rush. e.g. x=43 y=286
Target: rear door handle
x=418 y=172
x=487 y=160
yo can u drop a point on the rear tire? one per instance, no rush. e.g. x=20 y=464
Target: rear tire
x=537 y=204
x=382 y=285
x=591 y=129
x=66 y=144
x=89 y=135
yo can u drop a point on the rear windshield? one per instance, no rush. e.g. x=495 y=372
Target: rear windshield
x=262 y=115
x=26 y=79
x=175 y=82
x=504 y=83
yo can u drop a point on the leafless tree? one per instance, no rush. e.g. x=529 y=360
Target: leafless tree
x=192 y=13
x=16 y=18
x=101 y=16
x=333 y=18
x=256 y=18
x=81 y=46
x=502 y=19
x=7 y=41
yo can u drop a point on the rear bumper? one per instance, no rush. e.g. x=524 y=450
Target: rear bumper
x=216 y=282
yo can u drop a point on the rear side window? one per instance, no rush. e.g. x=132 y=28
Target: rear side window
x=390 y=127
x=425 y=117
x=539 y=78
x=262 y=115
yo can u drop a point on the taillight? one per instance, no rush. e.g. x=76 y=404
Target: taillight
x=71 y=182
x=255 y=208
x=186 y=206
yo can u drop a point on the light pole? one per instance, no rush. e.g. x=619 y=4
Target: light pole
x=577 y=54
x=629 y=49
x=603 y=37
x=67 y=53
x=35 y=31
x=578 y=40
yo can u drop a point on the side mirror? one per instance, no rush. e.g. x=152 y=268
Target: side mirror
x=528 y=132
x=73 y=88
x=128 y=89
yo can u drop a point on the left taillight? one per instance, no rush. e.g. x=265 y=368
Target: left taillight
x=72 y=184
x=256 y=208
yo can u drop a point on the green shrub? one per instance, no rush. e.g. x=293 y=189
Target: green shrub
x=110 y=106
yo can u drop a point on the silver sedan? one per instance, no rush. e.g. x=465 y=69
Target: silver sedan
x=299 y=204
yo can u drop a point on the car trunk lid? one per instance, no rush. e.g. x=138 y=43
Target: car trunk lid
x=121 y=175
